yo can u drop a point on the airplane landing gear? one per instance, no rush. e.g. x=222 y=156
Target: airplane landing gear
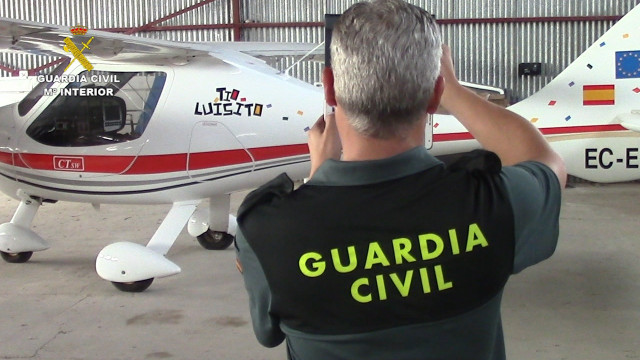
x=17 y=240
x=215 y=240
x=215 y=229
x=134 y=286
x=16 y=258
x=132 y=267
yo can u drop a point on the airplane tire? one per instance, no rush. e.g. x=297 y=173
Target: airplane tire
x=215 y=240
x=135 y=286
x=16 y=258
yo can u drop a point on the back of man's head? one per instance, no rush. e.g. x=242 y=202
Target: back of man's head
x=385 y=58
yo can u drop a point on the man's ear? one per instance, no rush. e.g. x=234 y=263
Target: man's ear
x=438 y=89
x=327 y=82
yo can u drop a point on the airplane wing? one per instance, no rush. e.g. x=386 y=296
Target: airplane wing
x=49 y=40
x=42 y=39
x=630 y=121
x=263 y=50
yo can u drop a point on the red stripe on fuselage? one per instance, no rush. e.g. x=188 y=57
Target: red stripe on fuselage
x=158 y=164
x=275 y=152
x=93 y=163
x=154 y=164
x=568 y=130
x=565 y=130
x=6 y=158
x=199 y=161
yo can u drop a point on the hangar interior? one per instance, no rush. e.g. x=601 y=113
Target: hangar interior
x=518 y=46
x=581 y=304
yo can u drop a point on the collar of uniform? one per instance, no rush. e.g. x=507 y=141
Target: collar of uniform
x=346 y=173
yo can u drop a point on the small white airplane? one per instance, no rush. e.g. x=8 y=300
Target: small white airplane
x=164 y=122
x=153 y=122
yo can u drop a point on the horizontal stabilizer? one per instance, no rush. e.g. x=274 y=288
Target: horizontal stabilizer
x=630 y=121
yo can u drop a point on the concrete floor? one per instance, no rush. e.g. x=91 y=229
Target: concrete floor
x=583 y=303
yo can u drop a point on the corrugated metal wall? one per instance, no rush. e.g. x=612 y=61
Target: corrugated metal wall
x=114 y=13
x=486 y=53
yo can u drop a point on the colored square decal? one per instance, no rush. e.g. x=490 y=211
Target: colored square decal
x=257 y=110
x=628 y=64
x=552 y=103
x=599 y=95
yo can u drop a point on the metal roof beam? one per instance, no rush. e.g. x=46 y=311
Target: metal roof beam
x=145 y=27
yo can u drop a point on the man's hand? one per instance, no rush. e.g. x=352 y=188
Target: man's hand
x=513 y=138
x=451 y=85
x=324 y=142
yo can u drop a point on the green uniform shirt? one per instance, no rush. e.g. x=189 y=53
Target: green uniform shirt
x=534 y=193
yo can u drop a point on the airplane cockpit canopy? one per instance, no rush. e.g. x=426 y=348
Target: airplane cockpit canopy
x=97 y=108
x=39 y=90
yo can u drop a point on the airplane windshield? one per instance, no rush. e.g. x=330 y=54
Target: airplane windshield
x=34 y=95
x=98 y=108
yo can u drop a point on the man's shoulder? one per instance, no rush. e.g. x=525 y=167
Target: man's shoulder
x=531 y=175
x=279 y=187
x=477 y=160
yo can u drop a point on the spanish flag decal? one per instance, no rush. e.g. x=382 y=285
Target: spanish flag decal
x=599 y=95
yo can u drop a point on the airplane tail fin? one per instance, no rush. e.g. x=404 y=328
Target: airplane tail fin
x=590 y=113
x=600 y=85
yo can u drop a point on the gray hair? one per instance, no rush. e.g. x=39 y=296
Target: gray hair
x=385 y=58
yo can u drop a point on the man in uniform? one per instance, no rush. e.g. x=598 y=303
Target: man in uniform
x=386 y=253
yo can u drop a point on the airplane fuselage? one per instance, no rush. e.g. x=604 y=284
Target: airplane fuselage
x=214 y=128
